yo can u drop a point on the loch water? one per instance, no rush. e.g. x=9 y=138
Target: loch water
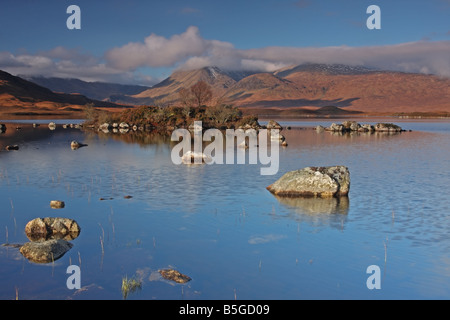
x=218 y=224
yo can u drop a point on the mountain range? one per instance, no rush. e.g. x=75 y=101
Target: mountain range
x=22 y=97
x=103 y=91
x=307 y=89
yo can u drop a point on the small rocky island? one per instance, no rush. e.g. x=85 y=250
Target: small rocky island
x=166 y=119
x=353 y=126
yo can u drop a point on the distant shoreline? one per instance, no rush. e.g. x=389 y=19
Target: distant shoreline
x=261 y=113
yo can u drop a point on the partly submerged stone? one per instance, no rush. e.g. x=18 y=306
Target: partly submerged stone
x=40 y=229
x=331 y=181
x=191 y=157
x=174 y=275
x=13 y=147
x=76 y=145
x=57 y=204
x=45 y=251
x=272 y=124
x=52 y=126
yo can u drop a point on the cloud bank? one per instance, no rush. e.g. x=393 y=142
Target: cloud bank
x=189 y=50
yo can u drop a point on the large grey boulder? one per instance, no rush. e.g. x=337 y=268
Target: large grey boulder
x=45 y=251
x=313 y=182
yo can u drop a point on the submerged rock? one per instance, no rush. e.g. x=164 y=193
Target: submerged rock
x=52 y=126
x=41 y=229
x=11 y=148
x=174 y=275
x=76 y=145
x=277 y=137
x=56 y=204
x=191 y=157
x=45 y=251
x=313 y=182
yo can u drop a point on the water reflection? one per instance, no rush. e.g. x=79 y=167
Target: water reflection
x=323 y=211
x=377 y=134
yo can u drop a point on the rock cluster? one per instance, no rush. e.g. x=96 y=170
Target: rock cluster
x=353 y=126
x=122 y=127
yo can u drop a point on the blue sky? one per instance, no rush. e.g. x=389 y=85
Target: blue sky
x=140 y=41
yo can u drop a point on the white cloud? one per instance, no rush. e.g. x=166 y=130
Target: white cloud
x=189 y=50
x=65 y=63
x=157 y=51
x=421 y=56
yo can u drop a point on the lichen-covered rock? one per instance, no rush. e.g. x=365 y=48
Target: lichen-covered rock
x=45 y=251
x=313 y=182
x=41 y=229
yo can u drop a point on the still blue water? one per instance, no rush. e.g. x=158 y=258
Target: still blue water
x=220 y=226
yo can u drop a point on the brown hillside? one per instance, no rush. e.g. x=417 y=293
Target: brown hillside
x=167 y=91
x=22 y=97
